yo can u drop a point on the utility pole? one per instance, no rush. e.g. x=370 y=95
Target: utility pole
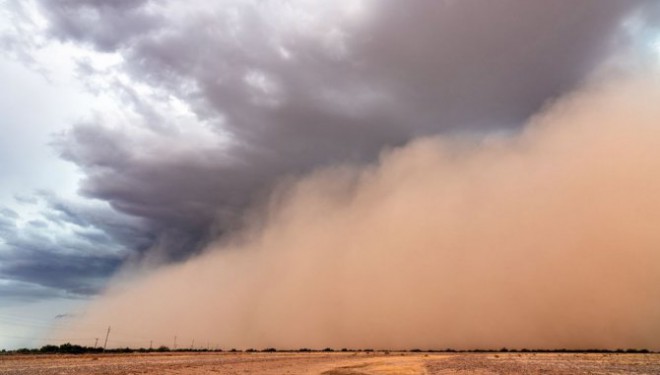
x=151 y=344
x=96 y=343
x=174 y=342
x=106 y=338
x=192 y=346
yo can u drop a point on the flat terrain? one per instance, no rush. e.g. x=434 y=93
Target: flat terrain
x=331 y=363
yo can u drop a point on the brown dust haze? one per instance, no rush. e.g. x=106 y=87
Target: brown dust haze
x=547 y=238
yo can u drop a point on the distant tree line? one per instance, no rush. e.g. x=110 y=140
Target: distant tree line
x=69 y=348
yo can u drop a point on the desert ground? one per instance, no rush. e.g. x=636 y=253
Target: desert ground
x=331 y=363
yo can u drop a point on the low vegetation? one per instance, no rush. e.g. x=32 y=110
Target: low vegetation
x=69 y=348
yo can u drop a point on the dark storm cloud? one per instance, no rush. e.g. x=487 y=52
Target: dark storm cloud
x=49 y=267
x=407 y=68
x=70 y=252
x=14 y=291
x=293 y=97
x=112 y=227
x=178 y=207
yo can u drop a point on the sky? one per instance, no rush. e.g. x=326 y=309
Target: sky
x=138 y=136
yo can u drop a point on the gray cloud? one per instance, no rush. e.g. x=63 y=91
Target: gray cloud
x=291 y=95
x=48 y=267
x=6 y=224
x=292 y=100
x=104 y=24
x=14 y=291
x=73 y=249
x=8 y=213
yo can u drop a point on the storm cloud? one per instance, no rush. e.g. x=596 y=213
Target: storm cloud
x=287 y=88
x=213 y=107
x=70 y=252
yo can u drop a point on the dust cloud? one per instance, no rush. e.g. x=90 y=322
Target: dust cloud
x=546 y=238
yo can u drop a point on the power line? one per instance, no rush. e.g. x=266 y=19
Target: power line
x=106 y=338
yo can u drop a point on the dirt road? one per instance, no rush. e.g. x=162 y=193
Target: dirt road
x=331 y=364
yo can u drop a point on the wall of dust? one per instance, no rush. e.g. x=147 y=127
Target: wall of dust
x=548 y=238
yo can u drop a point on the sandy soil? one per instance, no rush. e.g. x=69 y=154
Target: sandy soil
x=332 y=364
x=518 y=363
